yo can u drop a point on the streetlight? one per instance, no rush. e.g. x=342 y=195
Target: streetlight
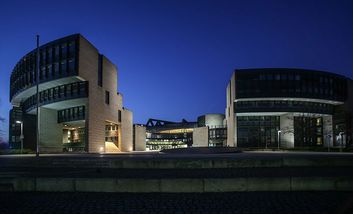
x=21 y=137
x=278 y=134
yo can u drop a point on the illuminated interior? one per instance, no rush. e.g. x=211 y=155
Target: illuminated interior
x=74 y=136
x=172 y=131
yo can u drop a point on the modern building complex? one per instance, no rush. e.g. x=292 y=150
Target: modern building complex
x=289 y=108
x=80 y=109
x=209 y=130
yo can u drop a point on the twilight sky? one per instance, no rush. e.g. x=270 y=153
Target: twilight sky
x=175 y=57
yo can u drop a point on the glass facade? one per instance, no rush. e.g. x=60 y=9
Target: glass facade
x=58 y=59
x=165 y=140
x=258 y=131
x=15 y=128
x=312 y=94
x=290 y=83
x=217 y=136
x=308 y=131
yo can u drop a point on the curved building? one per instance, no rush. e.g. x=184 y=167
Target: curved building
x=284 y=107
x=80 y=109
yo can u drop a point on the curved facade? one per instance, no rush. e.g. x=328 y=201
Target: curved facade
x=80 y=109
x=288 y=107
x=58 y=59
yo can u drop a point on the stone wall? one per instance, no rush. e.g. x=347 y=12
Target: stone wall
x=200 y=137
x=140 y=138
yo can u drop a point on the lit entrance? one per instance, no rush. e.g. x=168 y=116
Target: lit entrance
x=112 y=137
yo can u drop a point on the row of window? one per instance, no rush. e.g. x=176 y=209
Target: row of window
x=286 y=105
x=287 y=74
x=62 y=92
x=217 y=133
x=71 y=114
x=257 y=131
x=249 y=84
x=56 y=61
x=295 y=77
x=170 y=136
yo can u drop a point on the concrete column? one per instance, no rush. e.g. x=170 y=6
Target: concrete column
x=126 y=130
x=51 y=132
x=327 y=130
x=200 y=137
x=287 y=130
x=140 y=138
x=230 y=115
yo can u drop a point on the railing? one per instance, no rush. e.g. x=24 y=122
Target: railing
x=57 y=94
x=71 y=114
x=288 y=106
x=73 y=147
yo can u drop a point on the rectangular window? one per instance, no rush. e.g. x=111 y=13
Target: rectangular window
x=107 y=97
x=63 y=51
x=50 y=55
x=100 y=70
x=63 y=67
x=72 y=49
x=71 y=66
x=119 y=115
x=57 y=53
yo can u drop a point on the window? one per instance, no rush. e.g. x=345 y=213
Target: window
x=71 y=65
x=63 y=66
x=56 y=68
x=100 y=70
x=50 y=55
x=72 y=49
x=107 y=97
x=63 y=51
x=119 y=115
x=57 y=53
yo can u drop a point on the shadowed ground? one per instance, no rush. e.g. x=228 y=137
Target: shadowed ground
x=233 y=202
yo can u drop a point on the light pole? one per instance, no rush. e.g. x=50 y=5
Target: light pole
x=21 y=137
x=37 y=94
x=278 y=138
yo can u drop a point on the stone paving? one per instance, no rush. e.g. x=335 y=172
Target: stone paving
x=179 y=173
x=234 y=202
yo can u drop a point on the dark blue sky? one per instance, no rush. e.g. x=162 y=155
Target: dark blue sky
x=176 y=57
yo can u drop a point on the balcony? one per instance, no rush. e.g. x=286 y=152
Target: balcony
x=56 y=94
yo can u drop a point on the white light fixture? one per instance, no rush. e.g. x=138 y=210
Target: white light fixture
x=101 y=149
x=21 y=137
x=278 y=135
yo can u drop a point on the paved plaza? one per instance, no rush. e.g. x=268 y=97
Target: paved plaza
x=233 y=202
